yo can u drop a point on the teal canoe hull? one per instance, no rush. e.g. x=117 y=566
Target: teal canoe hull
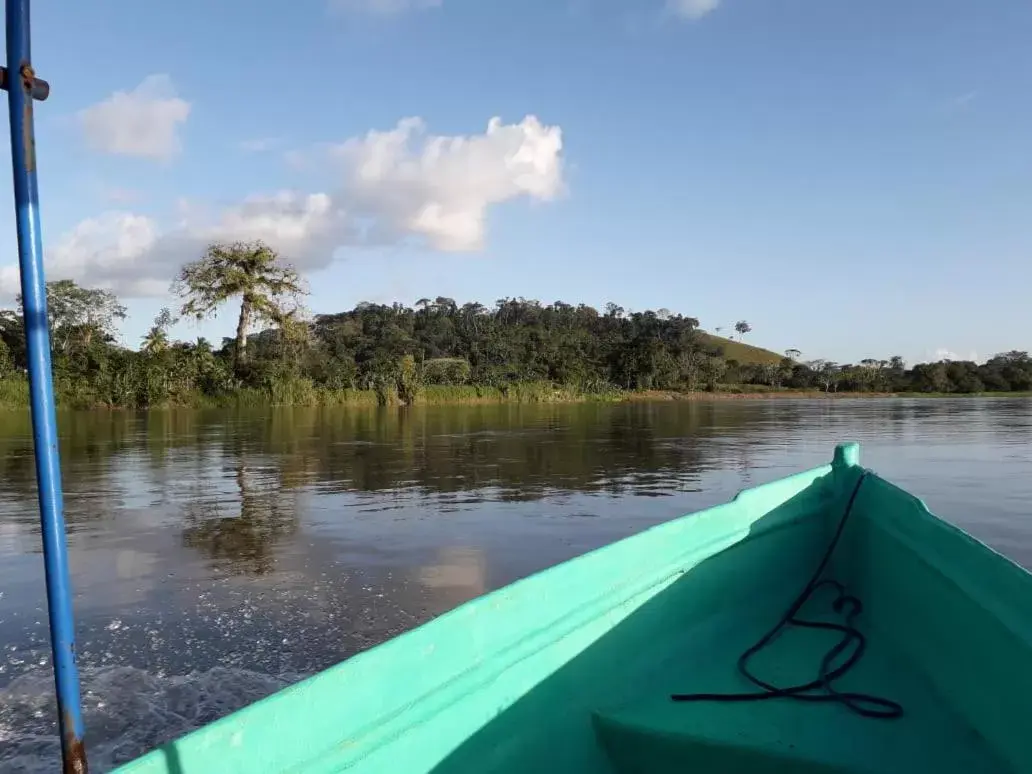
x=571 y=670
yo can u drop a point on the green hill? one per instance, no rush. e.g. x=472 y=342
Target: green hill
x=743 y=353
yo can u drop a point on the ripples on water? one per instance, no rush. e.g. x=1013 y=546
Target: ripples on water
x=219 y=556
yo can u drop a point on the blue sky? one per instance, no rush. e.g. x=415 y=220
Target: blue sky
x=852 y=178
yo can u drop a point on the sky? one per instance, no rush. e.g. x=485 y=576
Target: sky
x=854 y=179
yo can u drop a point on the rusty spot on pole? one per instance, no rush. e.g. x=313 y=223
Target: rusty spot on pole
x=74 y=751
x=40 y=88
x=27 y=77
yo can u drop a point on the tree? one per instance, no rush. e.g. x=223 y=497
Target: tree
x=155 y=341
x=869 y=374
x=6 y=362
x=742 y=328
x=409 y=380
x=692 y=363
x=772 y=374
x=12 y=333
x=295 y=338
x=963 y=376
x=266 y=286
x=1008 y=371
x=79 y=315
x=444 y=305
x=931 y=377
x=828 y=373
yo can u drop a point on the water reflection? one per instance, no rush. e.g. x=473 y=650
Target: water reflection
x=269 y=544
x=244 y=540
x=460 y=573
x=238 y=485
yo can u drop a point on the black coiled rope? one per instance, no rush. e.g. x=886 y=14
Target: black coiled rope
x=852 y=643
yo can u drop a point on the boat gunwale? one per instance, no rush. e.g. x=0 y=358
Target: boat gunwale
x=478 y=674
x=383 y=728
x=997 y=604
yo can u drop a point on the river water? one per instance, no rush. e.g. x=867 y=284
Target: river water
x=217 y=556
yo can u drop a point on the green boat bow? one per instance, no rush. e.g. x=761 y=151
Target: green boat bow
x=572 y=670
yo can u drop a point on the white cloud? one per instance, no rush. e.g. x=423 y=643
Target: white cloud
x=143 y=122
x=393 y=186
x=382 y=7
x=692 y=9
x=947 y=354
x=304 y=228
x=127 y=253
x=439 y=188
x=107 y=251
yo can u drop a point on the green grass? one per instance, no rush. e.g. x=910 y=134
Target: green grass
x=297 y=392
x=520 y=392
x=443 y=395
x=749 y=389
x=14 y=392
x=740 y=351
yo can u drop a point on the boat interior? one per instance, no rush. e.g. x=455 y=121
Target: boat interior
x=572 y=670
x=939 y=641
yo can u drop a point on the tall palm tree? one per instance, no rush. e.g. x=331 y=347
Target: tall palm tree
x=251 y=270
x=155 y=341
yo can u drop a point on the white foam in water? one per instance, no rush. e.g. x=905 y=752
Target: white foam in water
x=127 y=712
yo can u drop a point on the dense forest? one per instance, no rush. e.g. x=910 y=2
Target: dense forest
x=436 y=350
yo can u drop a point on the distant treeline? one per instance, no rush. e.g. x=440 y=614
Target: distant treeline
x=437 y=351
x=1006 y=372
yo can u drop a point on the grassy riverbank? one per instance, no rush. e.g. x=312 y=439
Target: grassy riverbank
x=301 y=392
x=734 y=394
x=14 y=394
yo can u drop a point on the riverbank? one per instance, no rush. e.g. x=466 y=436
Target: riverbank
x=753 y=394
x=14 y=395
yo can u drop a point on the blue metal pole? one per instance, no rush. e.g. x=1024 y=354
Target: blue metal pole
x=21 y=85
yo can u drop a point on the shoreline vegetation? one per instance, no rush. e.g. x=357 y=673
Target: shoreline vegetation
x=14 y=395
x=436 y=352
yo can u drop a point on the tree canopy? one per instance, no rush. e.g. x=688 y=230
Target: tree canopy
x=397 y=351
x=267 y=287
x=77 y=314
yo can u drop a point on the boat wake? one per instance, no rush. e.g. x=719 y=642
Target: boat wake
x=127 y=712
